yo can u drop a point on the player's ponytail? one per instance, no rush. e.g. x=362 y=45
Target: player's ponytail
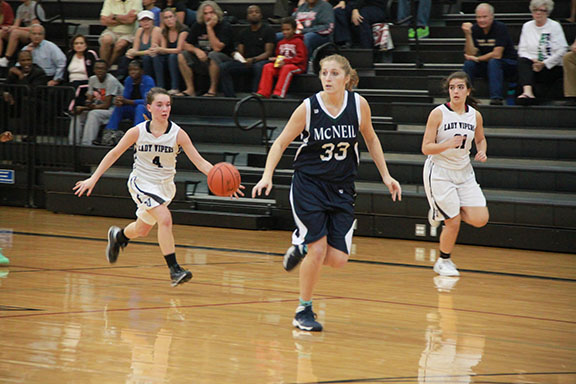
x=345 y=64
x=470 y=100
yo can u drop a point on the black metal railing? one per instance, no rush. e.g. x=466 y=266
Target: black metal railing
x=39 y=122
x=261 y=122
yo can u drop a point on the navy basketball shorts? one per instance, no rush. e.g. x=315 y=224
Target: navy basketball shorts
x=322 y=209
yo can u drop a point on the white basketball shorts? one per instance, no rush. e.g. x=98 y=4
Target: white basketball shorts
x=448 y=190
x=149 y=195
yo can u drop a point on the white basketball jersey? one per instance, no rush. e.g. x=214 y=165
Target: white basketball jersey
x=452 y=125
x=155 y=157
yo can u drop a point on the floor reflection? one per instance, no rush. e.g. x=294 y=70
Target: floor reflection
x=449 y=356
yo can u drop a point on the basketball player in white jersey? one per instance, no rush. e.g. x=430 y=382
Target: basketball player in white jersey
x=156 y=144
x=322 y=194
x=449 y=180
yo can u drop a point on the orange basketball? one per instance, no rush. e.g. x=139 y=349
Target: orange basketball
x=223 y=179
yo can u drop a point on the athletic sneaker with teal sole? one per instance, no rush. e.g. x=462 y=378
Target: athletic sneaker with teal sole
x=294 y=256
x=305 y=319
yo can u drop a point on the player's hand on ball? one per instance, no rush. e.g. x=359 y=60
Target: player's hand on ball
x=481 y=156
x=239 y=192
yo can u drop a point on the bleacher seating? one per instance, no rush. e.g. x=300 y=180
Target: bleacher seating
x=529 y=179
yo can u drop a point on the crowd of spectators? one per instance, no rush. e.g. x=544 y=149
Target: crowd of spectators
x=490 y=53
x=190 y=48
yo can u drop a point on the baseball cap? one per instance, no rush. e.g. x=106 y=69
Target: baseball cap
x=145 y=14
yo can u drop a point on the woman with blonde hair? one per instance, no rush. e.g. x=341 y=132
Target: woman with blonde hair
x=172 y=40
x=322 y=194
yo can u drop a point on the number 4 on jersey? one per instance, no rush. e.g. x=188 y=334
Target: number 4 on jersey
x=156 y=161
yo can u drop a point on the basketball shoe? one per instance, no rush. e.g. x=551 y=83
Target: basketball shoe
x=294 y=256
x=179 y=275
x=305 y=319
x=445 y=267
x=433 y=223
x=114 y=246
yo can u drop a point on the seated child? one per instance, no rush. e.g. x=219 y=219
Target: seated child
x=291 y=59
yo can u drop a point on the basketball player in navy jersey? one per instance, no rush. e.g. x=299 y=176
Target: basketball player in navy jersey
x=449 y=180
x=325 y=167
x=156 y=144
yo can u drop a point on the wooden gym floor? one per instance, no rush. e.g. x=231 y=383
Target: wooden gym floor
x=67 y=316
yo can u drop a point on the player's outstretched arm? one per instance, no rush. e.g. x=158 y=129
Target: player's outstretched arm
x=127 y=141
x=293 y=128
x=190 y=150
x=375 y=149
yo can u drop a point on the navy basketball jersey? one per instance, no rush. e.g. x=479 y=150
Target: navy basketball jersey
x=330 y=143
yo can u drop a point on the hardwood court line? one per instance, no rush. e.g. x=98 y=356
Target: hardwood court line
x=458 y=309
x=36 y=269
x=359 y=261
x=330 y=297
x=153 y=308
x=414 y=379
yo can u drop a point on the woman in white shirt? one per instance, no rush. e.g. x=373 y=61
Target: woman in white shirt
x=542 y=46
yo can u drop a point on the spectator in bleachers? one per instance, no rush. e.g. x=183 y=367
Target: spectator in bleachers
x=570 y=75
x=19 y=100
x=150 y=5
x=315 y=20
x=282 y=9
x=47 y=55
x=291 y=59
x=186 y=11
x=489 y=51
x=172 y=40
x=19 y=32
x=6 y=21
x=540 y=51
x=147 y=37
x=79 y=67
x=255 y=45
x=208 y=45
x=357 y=18
x=119 y=17
x=27 y=73
x=102 y=87
x=422 y=17
x=132 y=104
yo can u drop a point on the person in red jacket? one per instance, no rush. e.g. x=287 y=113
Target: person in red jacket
x=6 y=21
x=291 y=59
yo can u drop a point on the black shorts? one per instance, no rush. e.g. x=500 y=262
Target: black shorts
x=322 y=209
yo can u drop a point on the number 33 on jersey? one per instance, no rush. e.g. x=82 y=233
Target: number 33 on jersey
x=330 y=143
